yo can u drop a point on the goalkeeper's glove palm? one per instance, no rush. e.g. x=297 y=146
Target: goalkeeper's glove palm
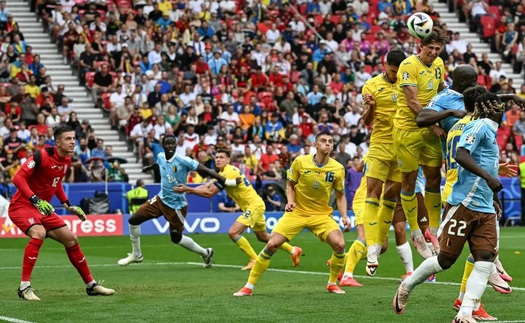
x=42 y=206
x=77 y=210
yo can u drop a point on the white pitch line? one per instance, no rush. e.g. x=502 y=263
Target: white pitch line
x=287 y=271
x=13 y=320
x=512 y=321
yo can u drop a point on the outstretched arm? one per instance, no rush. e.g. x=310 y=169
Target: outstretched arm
x=150 y=167
x=206 y=172
x=429 y=117
x=207 y=190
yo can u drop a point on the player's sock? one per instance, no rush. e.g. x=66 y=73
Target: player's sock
x=433 y=205
x=370 y=211
x=476 y=284
x=245 y=247
x=469 y=266
x=30 y=257
x=409 y=203
x=78 y=260
x=336 y=264
x=405 y=252
x=259 y=267
x=357 y=252
x=427 y=268
x=188 y=243
x=287 y=247
x=134 y=235
x=385 y=216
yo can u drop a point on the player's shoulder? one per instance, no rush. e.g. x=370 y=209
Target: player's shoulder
x=409 y=61
x=303 y=159
x=438 y=62
x=335 y=165
x=228 y=169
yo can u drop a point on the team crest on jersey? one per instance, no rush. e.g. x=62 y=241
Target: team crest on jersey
x=316 y=185
x=405 y=76
x=31 y=164
x=174 y=169
x=430 y=85
x=470 y=138
x=394 y=97
x=31 y=221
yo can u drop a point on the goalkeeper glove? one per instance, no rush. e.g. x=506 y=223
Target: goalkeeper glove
x=77 y=210
x=42 y=206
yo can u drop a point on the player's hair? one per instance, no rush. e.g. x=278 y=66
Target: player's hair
x=395 y=57
x=169 y=136
x=59 y=130
x=324 y=133
x=436 y=36
x=489 y=106
x=224 y=151
x=471 y=94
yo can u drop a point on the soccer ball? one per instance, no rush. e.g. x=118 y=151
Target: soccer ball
x=420 y=25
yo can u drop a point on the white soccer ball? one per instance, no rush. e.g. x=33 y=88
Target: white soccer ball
x=420 y=25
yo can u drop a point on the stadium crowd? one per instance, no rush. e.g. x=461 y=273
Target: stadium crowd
x=248 y=76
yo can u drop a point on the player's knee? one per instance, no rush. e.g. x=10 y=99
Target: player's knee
x=37 y=232
x=263 y=237
x=134 y=220
x=233 y=235
x=445 y=261
x=176 y=237
x=483 y=255
x=339 y=246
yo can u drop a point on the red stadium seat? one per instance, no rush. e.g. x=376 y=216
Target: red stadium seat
x=494 y=10
x=336 y=19
x=90 y=77
x=105 y=100
x=519 y=140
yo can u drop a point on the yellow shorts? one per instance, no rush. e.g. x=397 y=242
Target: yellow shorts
x=381 y=163
x=417 y=147
x=253 y=217
x=358 y=204
x=320 y=225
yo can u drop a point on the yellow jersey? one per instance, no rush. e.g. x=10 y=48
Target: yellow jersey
x=451 y=146
x=314 y=184
x=385 y=94
x=413 y=72
x=251 y=162
x=243 y=194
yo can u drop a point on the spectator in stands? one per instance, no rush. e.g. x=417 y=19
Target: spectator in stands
x=99 y=150
x=273 y=200
x=226 y=204
x=137 y=135
x=53 y=119
x=102 y=82
x=519 y=126
x=117 y=173
x=510 y=154
x=96 y=172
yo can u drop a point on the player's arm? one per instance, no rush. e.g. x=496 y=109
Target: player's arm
x=152 y=166
x=429 y=117
x=290 y=195
x=206 y=190
x=441 y=87
x=465 y=160
x=340 y=198
x=410 y=92
x=206 y=172
x=516 y=98
x=73 y=209
x=369 y=108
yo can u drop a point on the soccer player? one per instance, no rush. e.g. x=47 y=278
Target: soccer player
x=471 y=210
x=251 y=204
x=174 y=170
x=358 y=248
x=420 y=78
x=311 y=180
x=37 y=181
x=454 y=133
x=380 y=96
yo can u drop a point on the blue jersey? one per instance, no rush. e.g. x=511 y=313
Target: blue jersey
x=172 y=173
x=447 y=99
x=479 y=138
x=420 y=181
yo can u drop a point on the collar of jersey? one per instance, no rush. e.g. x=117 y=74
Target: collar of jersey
x=320 y=166
x=384 y=78
x=455 y=92
x=171 y=159
x=491 y=123
x=419 y=59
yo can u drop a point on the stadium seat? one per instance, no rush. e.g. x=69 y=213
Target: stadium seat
x=336 y=19
x=489 y=26
x=89 y=77
x=494 y=10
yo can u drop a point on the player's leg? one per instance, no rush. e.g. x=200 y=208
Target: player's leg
x=402 y=246
x=483 y=242
x=433 y=203
x=285 y=230
x=294 y=252
x=147 y=211
x=28 y=220
x=75 y=255
x=499 y=267
x=235 y=233
x=451 y=247
x=370 y=219
x=336 y=241
x=176 y=220
x=356 y=253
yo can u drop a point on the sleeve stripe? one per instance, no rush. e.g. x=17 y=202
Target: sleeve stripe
x=291 y=180
x=407 y=84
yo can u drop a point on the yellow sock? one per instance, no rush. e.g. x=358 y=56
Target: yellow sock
x=357 y=252
x=409 y=202
x=259 y=267
x=336 y=264
x=370 y=211
x=246 y=247
x=385 y=216
x=433 y=205
x=287 y=247
x=469 y=267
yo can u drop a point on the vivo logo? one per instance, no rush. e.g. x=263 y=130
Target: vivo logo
x=205 y=225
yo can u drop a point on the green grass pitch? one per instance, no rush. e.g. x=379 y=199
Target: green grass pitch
x=171 y=285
